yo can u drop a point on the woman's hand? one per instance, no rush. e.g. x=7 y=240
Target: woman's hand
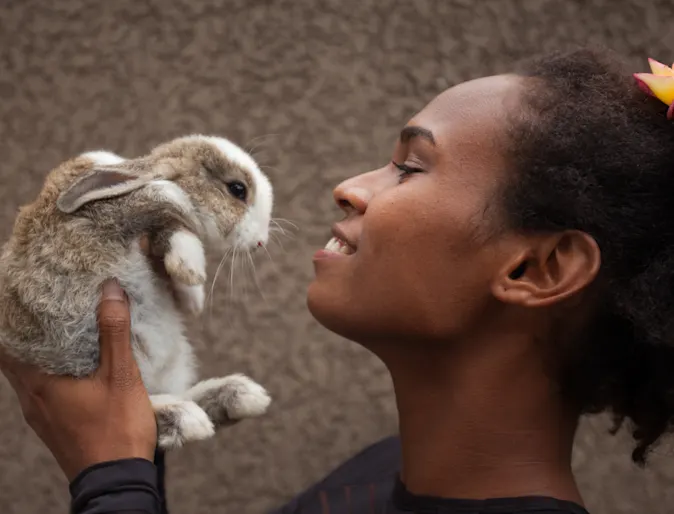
x=87 y=421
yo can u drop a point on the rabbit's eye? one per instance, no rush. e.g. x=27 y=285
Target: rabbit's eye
x=237 y=189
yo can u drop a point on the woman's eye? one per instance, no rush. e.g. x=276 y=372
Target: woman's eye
x=406 y=170
x=237 y=189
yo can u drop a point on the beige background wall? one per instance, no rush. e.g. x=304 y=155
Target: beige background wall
x=320 y=89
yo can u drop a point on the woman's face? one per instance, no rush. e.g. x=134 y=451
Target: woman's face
x=416 y=254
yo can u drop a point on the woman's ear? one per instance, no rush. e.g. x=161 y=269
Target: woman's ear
x=549 y=269
x=110 y=181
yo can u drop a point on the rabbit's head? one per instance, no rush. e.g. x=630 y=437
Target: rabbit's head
x=210 y=179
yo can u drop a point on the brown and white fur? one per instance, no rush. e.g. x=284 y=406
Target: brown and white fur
x=85 y=227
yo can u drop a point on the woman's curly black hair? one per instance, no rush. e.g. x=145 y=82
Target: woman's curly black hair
x=592 y=152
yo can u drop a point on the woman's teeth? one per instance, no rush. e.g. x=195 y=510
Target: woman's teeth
x=337 y=245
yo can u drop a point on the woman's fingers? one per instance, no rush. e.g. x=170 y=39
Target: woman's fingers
x=114 y=325
x=28 y=384
x=21 y=376
x=157 y=261
x=6 y=365
x=144 y=243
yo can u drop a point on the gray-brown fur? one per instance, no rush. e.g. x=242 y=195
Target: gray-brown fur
x=215 y=403
x=53 y=266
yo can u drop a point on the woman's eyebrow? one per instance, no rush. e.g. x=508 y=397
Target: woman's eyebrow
x=412 y=131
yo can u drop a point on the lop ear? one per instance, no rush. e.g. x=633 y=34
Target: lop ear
x=109 y=182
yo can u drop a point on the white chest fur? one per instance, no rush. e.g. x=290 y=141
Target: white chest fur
x=161 y=348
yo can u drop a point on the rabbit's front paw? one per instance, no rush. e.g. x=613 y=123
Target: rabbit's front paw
x=191 y=298
x=185 y=259
x=179 y=421
x=230 y=398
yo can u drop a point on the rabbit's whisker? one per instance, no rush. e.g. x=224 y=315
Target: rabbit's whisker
x=277 y=240
x=271 y=260
x=277 y=222
x=261 y=140
x=215 y=278
x=281 y=233
x=235 y=254
x=277 y=228
x=257 y=283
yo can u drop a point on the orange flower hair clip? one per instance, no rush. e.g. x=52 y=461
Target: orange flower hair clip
x=659 y=84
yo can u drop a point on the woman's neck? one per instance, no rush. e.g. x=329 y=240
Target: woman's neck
x=482 y=425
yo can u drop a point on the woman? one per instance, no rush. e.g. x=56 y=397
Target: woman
x=513 y=267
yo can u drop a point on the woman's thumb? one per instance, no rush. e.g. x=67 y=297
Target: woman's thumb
x=114 y=328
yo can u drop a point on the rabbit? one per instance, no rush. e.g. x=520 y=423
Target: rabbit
x=85 y=226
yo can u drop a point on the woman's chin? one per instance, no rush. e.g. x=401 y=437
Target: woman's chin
x=319 y=301
x=325 y=306
x=335 y=311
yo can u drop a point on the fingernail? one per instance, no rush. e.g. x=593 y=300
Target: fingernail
x=113 y=291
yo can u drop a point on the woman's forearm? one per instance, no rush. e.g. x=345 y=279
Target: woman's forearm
x=126 y=486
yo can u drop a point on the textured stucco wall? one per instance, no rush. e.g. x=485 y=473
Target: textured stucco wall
x=320 y=89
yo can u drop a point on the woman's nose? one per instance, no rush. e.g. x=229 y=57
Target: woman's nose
x=352 y=197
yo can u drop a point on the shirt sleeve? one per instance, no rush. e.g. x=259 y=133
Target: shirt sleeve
x=127 y=486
